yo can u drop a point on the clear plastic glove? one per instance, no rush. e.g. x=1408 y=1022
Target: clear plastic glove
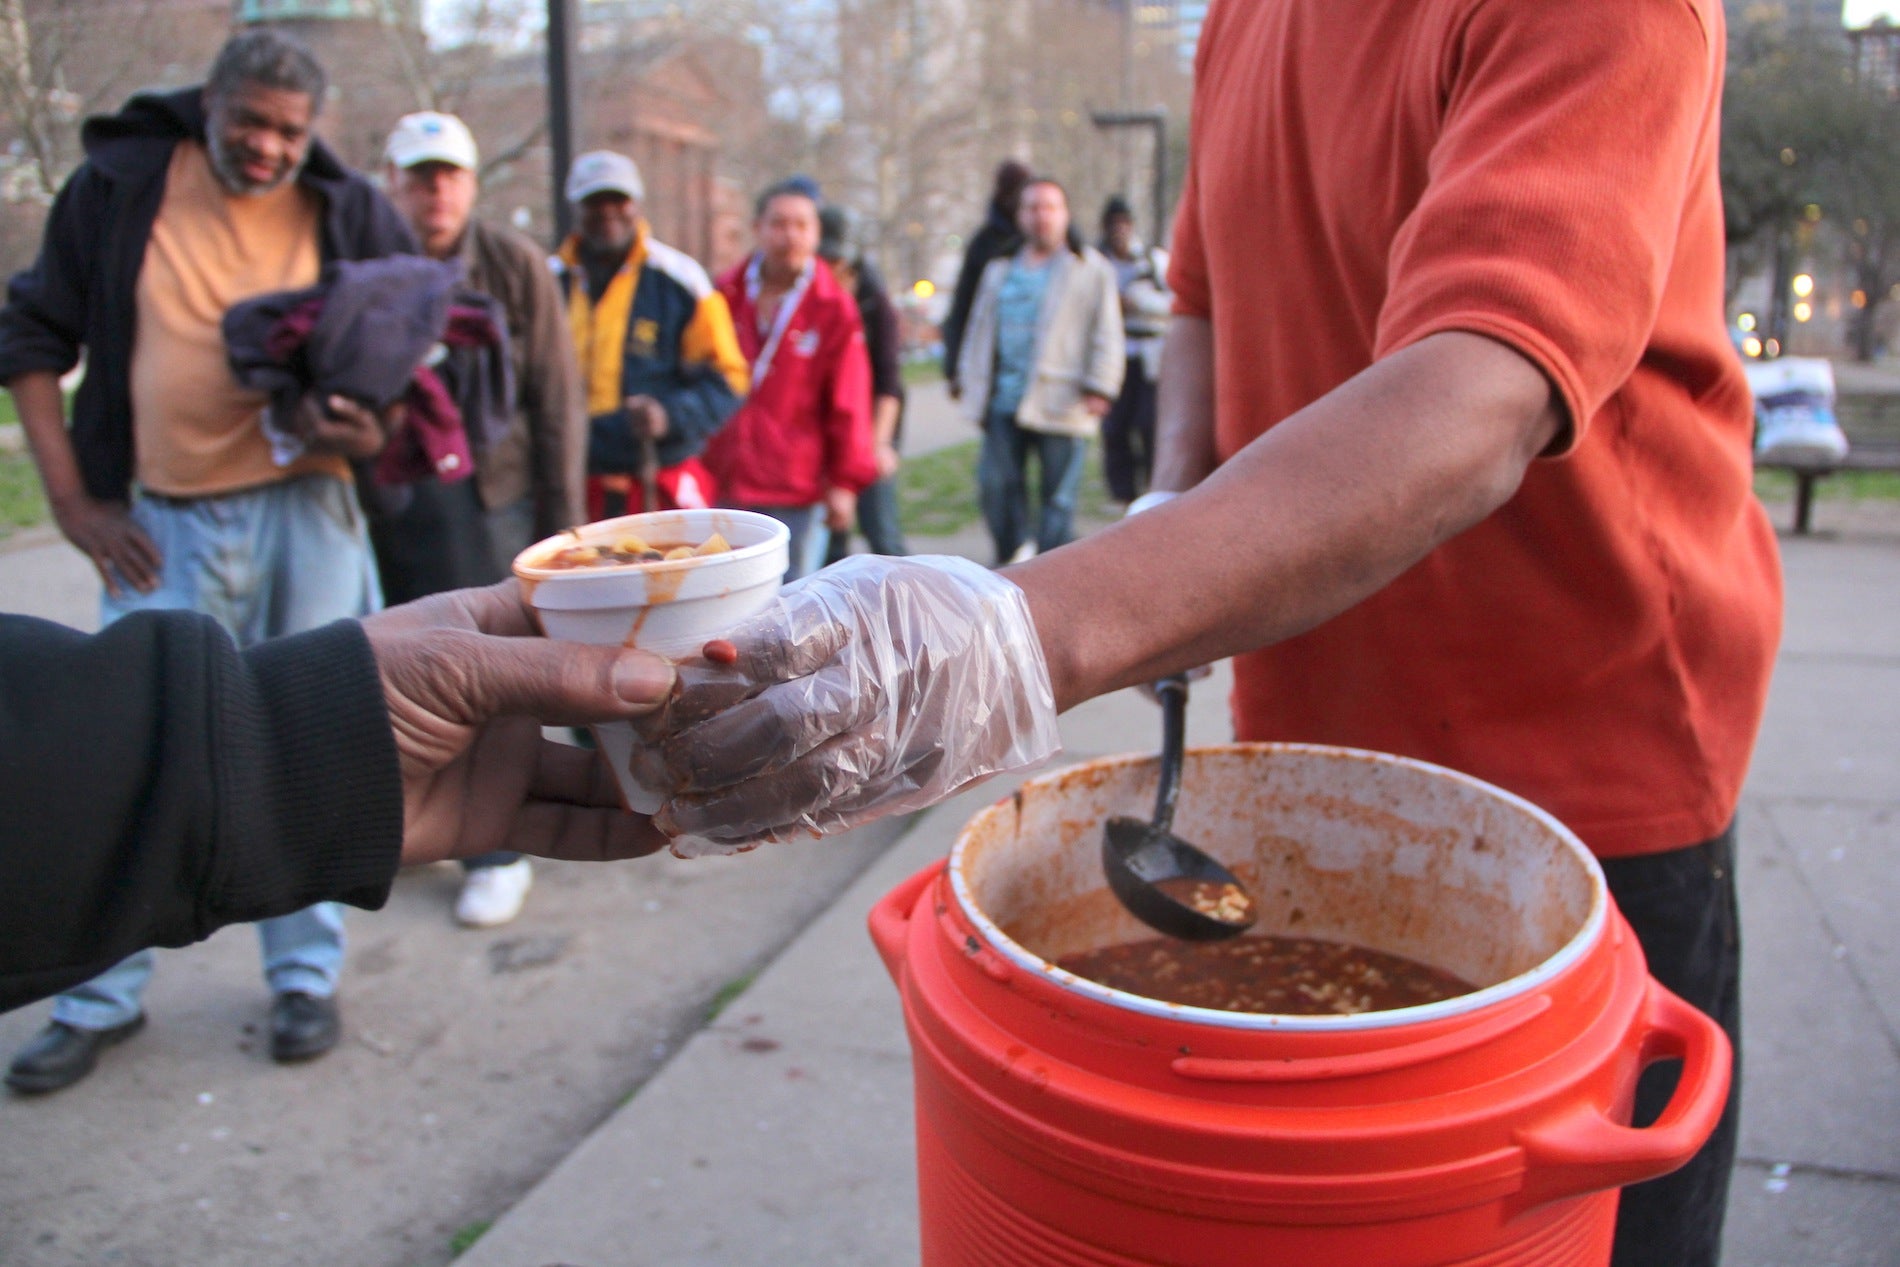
x=877 y=686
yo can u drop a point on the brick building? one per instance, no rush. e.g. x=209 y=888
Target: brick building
x=656 y=96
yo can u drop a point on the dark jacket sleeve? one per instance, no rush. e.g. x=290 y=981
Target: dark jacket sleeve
x=702 y=404
x=990 y=241
x=156 y=784
x=959 y=315
x=44 y=322
x=698 y=404
x=705 y=388
x=554 y=401
x=883 y=337
x=364 y=225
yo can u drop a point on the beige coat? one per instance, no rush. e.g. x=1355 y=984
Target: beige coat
x=1078 y=345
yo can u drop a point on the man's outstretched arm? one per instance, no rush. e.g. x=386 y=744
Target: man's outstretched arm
x=156 y=784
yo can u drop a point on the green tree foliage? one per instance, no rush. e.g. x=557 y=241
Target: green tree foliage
x=1810 y=160
x=1867 y=194
x=1786 y=119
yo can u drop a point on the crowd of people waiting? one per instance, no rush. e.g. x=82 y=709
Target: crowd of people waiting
x=423 y=423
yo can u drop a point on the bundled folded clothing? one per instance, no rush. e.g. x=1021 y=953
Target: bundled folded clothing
x=378 y=332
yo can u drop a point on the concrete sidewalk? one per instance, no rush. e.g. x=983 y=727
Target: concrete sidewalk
x=481 y=1071
x=782 y=1133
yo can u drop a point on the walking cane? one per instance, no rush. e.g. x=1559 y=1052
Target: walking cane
x=649 y=473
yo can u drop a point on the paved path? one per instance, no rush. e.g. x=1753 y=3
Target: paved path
x=487 y=1076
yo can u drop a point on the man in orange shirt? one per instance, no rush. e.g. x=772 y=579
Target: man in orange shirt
x=1462 y=456
x=189 y=202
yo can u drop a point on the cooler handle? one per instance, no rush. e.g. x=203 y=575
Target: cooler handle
x=891 y=916
x=1584 y=1151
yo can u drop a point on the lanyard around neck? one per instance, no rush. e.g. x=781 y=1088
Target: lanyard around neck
x=754 y=282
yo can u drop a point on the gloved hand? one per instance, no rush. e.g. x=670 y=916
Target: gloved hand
x=877 y=686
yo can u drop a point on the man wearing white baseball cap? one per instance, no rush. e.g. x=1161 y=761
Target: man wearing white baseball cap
x=528 y=485
x=601 y=172
x=662 y=363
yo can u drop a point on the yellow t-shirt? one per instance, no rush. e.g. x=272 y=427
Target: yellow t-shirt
x=195 y=429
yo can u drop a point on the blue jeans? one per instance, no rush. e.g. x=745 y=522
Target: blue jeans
x=302 y=952
x=809 y=537
x=262 y=562
x=1003 y=481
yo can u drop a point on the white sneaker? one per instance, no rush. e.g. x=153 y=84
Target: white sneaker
x=493 y=895
x=1024 y=552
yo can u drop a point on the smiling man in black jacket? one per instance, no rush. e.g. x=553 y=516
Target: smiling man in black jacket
x=189 y=202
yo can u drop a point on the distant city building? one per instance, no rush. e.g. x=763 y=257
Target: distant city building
x=399 y=12
x=1877 y=54
x=1178 y=21
x=1816 y=13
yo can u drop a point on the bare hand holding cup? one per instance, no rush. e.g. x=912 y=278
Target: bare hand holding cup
x=468 y=683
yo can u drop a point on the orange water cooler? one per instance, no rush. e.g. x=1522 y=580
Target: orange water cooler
x=1061 y=1122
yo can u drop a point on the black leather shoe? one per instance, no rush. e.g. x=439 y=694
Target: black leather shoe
x=62 y=1054
x=303 y=1026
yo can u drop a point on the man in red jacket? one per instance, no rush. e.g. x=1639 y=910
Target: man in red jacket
x=802 y=441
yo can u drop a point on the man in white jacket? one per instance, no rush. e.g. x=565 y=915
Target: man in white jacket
x=1041 y=361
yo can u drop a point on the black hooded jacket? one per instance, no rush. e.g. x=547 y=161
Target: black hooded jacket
x=999 y=236
x=82 y=291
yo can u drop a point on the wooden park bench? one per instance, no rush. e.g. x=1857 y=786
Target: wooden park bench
x=1862 y=455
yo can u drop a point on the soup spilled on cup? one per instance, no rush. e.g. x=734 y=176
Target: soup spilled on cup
x=630 y=551
x=1286 y=976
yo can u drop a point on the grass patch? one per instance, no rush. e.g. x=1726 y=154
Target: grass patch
x=937 y=494
x=22 y=501
x=724 y=998
x=1778 y=486
x=466 y=1236
x=922 y=371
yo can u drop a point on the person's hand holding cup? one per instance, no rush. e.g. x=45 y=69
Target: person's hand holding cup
x=665 y=582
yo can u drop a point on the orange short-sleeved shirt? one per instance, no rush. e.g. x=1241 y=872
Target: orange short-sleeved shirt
x=1544 y=174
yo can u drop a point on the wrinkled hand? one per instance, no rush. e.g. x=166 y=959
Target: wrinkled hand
x=841 y=509
x=877 y=686
x=646 y=417
x=468 y=682
x=339 y=425
x=118 y=547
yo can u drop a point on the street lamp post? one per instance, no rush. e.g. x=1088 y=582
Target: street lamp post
x=563 y=102
x=1157 y=120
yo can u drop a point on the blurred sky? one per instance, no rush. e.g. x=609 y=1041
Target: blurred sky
x=1861 y=12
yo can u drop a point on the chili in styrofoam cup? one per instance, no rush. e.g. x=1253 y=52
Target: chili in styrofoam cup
x=670 y=607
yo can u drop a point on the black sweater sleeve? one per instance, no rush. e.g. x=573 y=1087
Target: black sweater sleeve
x=156 y=784
x=43 y=324
x=883 y=332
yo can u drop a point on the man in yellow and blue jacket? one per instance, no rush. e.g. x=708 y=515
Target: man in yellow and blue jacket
x=655 y=341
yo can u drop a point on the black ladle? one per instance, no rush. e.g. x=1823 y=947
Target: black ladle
x=1165 y=882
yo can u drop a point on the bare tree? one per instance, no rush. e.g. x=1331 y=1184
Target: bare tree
x=62 y=62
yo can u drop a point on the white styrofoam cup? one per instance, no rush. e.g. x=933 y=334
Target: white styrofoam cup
x=670 y=608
